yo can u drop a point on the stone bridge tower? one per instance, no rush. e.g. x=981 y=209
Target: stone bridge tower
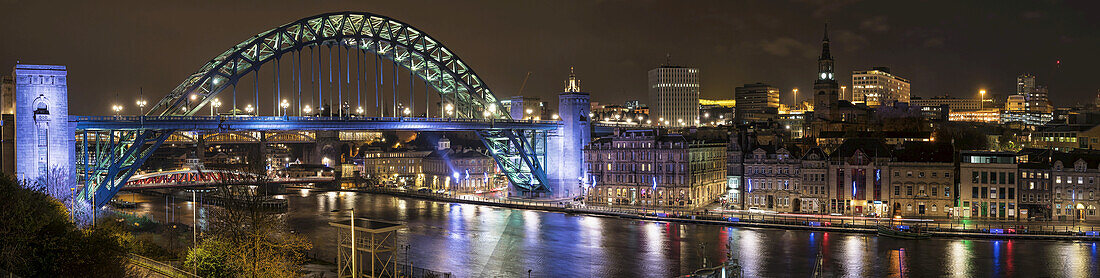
x=44 y=137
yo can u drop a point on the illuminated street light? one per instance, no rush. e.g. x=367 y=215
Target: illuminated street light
x=555 y=117
x=214 y=104
x=529 y=111
x=141 y=106
x=406 y=111
x=284 y=105
x=117 y=109
x=359 y=110
x=194 y=97
x=306 y=109
x=982 y=100
x=249 y=109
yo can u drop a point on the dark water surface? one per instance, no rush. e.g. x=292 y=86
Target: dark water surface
x=481 y=241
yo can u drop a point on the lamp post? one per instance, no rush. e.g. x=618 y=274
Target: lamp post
x=214 y=104
x=794 y=96
x=308 y=110
x=450 y=109
x=248 y=109
x=117 y=109
x=141 y=107
x=354 y=262
x=283 y=106
x=982 y=100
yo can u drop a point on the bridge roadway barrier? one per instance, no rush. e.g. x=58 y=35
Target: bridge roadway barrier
x=302 y=123
x=991 y=230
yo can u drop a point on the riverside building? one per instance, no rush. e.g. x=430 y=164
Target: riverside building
x=650 y=169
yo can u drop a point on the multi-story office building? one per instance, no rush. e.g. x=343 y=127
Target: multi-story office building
x=1067 y=137
x=1076 y=186
x=878 y=86
x=1034 y=183
x=858 y=177
x=674 y=96
x=756 y=102
x=645 y=168
x=814 y=197
x=772 y=179
x=922 y=180
x=1024 y=84
x=987 y=188
x=954 y=104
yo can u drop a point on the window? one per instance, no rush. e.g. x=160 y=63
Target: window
x=1003 y=180
x=909 y=190
x=974 y=192
x=993 y=177
x=934 y=191
x=985 y=177
x=974 y=179
x=1011 y=193
x=897 y=190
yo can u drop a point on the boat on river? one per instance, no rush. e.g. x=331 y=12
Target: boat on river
x=904 y=231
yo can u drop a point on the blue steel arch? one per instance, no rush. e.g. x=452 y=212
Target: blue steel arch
x=518 y=150
x=397 y=41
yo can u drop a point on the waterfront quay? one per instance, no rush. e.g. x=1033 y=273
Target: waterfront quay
x=474 y=240
x=944 y=227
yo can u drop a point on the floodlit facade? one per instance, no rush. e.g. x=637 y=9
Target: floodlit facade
x=987 y=187
x=878 y=86
x=674 y=96
x=644 y=168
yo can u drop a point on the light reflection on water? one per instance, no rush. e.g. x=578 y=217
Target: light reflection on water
x=479 y=241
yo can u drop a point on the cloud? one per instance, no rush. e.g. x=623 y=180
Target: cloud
x=934 y=42
x=823 y=8
x=875 y=24
x=787 y=46
x=847 y=40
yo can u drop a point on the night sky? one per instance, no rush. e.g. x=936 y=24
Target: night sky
x=943 y=47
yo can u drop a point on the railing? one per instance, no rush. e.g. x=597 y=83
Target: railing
x=159 y=267
x=943 y=225
x=301 y=118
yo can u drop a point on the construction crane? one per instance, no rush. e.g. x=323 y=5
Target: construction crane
x=524 y=85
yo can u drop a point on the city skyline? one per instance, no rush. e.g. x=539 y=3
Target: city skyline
x=731 y=43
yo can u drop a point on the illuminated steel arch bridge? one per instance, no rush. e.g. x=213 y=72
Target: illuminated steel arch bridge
x=340 y=47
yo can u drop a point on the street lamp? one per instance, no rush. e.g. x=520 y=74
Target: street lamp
x=141 y=106
x=982 y=100
x=795 y=95
x=450 y=109
x=117 y=109
x=354 y=249
x=248 y=109
x=359 y=110
x=555 y=117
x=214 y=104
x=307 y=109
x=284 y=106
x=406 y=111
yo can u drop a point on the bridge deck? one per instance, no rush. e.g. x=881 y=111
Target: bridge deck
x=301 y=123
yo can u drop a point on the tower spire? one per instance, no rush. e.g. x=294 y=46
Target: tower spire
x=825 y=54
x=572 y=85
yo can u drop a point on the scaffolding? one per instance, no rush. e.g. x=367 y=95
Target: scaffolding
x=375 y=244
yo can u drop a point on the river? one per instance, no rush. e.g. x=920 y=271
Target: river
x=483 y=241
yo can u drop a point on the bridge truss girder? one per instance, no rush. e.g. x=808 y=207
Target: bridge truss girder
x=107 y=159
x=521 y=156
x=412 y=49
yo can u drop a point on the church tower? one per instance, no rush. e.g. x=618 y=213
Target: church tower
x=826 y=89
